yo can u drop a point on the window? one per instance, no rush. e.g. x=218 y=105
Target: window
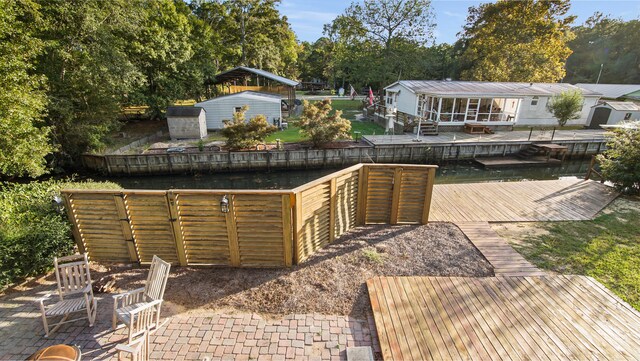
x=534 y=101
x=237 y=109
x=627 y=116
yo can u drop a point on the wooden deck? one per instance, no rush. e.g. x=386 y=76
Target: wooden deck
x=502 y=318
x=554 y=200
x=504 y=259
x=508 y=162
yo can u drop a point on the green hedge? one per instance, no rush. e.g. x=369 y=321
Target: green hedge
x=31 y=231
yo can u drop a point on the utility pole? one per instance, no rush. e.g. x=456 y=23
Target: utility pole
x=600 y=73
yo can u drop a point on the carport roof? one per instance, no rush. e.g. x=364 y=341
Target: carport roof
x=243 y=71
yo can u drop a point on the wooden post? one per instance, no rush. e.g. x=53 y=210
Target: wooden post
x=332 y=210
x=395 y=200
x=287 y=230
x=591 y=164
x=174 y=218
x=297 y=226
x=232 y=233
x=363 y=181
x=431 y=176
x=125 y=225
x=74 y=223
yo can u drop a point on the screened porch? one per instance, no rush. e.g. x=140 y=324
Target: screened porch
x=467 y=110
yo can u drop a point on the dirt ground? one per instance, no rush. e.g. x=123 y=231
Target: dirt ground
x=330 y=282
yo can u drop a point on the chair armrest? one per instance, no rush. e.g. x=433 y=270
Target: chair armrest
x=44 y=298
x=128 y=298
x=145 y=306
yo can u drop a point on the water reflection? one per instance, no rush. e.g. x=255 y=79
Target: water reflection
x=461 y=172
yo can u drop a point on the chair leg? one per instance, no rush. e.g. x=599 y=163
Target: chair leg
x=45 y=324
x=57 y=325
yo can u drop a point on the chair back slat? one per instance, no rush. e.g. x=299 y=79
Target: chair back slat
x=143 y=320
x=157 y=279
x=72 y=274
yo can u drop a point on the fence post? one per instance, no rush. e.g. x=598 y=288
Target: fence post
x=395 y=200
x=125 y=225
x=332 y=210
x=431 y=176
x=361 y=208
x=287 y=229
x=232 y=233
x=174 y=218
x=74 y=223
x=297 y=226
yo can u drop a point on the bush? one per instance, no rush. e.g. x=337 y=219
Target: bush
x=565 y=106
x=321 y=128
x=241 y=134
x=31 y=231
x=620 y=163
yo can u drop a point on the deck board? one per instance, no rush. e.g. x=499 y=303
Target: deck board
x=554 y=200
x=502 y=318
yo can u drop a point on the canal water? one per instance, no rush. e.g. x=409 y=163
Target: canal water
x=460 y=172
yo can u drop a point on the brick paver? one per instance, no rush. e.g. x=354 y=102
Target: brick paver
x=205 y=335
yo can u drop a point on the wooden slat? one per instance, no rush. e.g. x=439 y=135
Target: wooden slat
x=501 y=318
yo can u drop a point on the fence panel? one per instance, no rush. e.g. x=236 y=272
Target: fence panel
x=346 y=203
x=379 y=196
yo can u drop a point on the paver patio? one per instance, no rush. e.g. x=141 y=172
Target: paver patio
x=187 y=336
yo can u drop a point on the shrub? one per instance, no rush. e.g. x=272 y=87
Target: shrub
x=319 y=126
x=567 y=105
x=241 y=134
x=620 y=163
x=31 y=231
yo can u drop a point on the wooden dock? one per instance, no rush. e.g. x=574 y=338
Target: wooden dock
x=508 y=161
x=553 y=200
x=504 y=259
x=502 y=318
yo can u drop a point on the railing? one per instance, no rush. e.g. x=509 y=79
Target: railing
x=272 y=228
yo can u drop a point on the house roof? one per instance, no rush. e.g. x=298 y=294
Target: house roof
x=613 y=91
x=623 y=106
x=248 y=94
x=242 y=71
x=183 y=111
x=480 y=88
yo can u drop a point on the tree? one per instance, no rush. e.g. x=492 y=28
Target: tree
x=24 y=140
x=566 y=105
x=519 y=41
x=241 y=134
x=319 y=126
x=620 y=162
x=607 y=44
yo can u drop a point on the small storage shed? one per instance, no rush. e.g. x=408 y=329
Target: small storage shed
x=186 y=122
x=223 y=107
x=611 y=113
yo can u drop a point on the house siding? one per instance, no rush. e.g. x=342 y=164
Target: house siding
x=187 y=127
x=219 y=109
x=538 y=115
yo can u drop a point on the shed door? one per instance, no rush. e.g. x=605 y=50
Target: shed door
x=600 y=116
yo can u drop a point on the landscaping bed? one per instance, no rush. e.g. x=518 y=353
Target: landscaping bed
x=332 y=281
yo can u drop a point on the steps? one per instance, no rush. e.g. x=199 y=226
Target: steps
x=429 y=128
x=529 y=152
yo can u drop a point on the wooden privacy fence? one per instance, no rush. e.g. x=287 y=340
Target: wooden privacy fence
x=271 y=228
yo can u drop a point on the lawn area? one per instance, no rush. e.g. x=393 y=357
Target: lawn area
x=350 y=108
x=606 y=248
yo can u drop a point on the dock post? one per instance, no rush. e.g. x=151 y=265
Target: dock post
x=530 y=131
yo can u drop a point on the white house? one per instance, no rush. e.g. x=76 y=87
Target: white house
x=223 y=107
x=611 y=113
x=454 y=103
x=186 y=122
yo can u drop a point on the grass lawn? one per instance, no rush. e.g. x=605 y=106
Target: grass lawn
x=607 y=248
x=350 y=108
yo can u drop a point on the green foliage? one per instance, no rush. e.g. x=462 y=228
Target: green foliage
x=23 y=138
x=31 y=231
x=565 y=106
x=620 y=162
x=320 y=126
x=521 y=41
x=241 y=134
x=373 y=256
x=606 y=248
x=606 y=41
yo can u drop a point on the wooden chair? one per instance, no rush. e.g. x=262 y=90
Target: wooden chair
x=137 y=350
x=143 y=304
x=74 y=291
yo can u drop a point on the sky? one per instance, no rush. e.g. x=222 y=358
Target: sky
x=308 y=16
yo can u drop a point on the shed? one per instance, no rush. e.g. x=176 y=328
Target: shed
x=610 y=113
x=186 y=122
x=223 y=107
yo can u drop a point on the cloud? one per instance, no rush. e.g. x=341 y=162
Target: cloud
x=454 y=15
x=311 y=16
